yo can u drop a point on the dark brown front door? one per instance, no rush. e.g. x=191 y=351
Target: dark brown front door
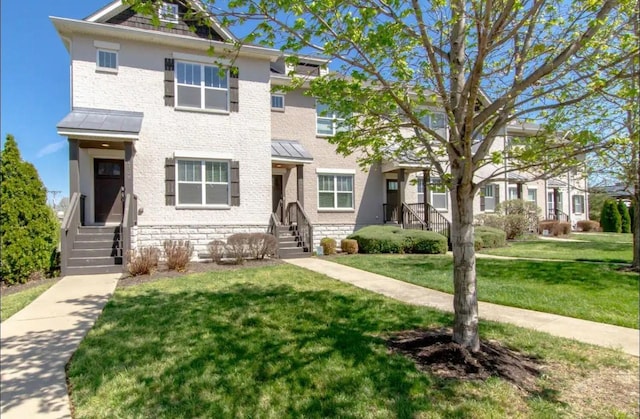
x=392 y=200
x=276 y=191
x=108 y=180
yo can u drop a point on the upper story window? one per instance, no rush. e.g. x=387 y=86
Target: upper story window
x=435 y=120
x=277 y=102
x=107 y=60
x=202 y=86
x=168 y=12
x=203 y=182
x=327 y=121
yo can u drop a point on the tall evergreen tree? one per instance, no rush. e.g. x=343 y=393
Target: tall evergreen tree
x=28 y=229
x=610 y=219
x=625 y=218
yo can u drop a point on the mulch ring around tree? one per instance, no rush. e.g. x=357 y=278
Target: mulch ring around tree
x=434 y=351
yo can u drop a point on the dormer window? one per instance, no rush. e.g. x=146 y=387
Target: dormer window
x=169 y=12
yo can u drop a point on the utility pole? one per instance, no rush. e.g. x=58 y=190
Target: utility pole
x=53 y=197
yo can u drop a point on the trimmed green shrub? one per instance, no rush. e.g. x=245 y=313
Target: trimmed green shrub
x=491 y=237
x=328 y=246
x=588 y=225
x=625 y=217
x=610 y=219
x=349 y=246
x=29 y=230
x=390 y=239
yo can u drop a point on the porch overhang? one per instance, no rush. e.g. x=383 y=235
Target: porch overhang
x=409 y=167
x=96 y=124
x=289 y=152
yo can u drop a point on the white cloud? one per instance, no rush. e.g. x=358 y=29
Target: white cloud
x=51 y=148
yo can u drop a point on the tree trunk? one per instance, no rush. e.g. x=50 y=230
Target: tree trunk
x=465 y=300
x=636 y=231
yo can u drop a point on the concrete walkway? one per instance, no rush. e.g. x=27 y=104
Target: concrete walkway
x=38 y=341
x=625 y=339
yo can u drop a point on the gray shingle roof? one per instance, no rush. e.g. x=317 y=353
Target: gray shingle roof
x=289 y=151
x=102 y=120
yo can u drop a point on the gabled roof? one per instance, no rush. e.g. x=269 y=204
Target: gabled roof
x=116 y=7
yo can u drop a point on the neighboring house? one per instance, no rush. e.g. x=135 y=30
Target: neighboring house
x=167 y=141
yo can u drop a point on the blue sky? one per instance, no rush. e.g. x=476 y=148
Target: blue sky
x=35 y=82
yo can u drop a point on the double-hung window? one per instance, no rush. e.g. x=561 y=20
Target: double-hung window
x=335 y=191
x=489 y=192
x=578 y=204
x=532 y=195
x=203 y=182
x=512 y=192
x=202 y=86
x=439 y=194
x=420 y=191
x=327 y=121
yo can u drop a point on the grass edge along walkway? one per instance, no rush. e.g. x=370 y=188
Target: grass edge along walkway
x=605 y=335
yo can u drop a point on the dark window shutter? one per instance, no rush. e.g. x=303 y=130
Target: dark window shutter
x=482 y=206
x=496 y=195
x=170 y=181
x=234 y=102
x=235 y=183
x=169 y=75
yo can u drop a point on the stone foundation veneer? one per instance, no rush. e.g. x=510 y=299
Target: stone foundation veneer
x=198 y=235
x=334 y=231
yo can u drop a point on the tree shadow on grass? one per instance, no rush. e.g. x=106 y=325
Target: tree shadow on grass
x=250 y=350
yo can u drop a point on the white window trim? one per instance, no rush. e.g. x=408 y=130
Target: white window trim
x=335 y=174
x=509 y=190
x=283 y=104
x=107 y=69
x=334 y=119
x=202 y=88
x=535 y=201
x=203 y=182
x=175 y=18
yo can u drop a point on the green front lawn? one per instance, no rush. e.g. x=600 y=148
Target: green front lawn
x=285 y=342
x=589 y=291
x=12 y=303
x=602 y=247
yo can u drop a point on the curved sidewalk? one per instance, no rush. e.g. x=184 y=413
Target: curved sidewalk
x=623 y=338
x=38 y=341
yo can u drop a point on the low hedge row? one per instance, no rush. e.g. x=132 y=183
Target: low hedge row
x=489 y=237
x=389 y=239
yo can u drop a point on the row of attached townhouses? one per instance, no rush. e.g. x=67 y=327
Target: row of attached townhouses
x=168 y=142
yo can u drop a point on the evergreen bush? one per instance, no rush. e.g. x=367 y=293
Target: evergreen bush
x=389 y=239
x=625 y=217
x=610 y=219
x=28 y=228
x=491 y=237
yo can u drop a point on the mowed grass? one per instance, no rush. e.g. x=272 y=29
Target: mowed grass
x=597 y=292
x=599 y=247
x=285 y=342
x=12 y=303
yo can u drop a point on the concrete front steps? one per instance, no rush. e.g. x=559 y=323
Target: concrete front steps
x=290 y=245
x=96 y=250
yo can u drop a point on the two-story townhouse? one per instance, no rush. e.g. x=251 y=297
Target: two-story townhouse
x=176 y=134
